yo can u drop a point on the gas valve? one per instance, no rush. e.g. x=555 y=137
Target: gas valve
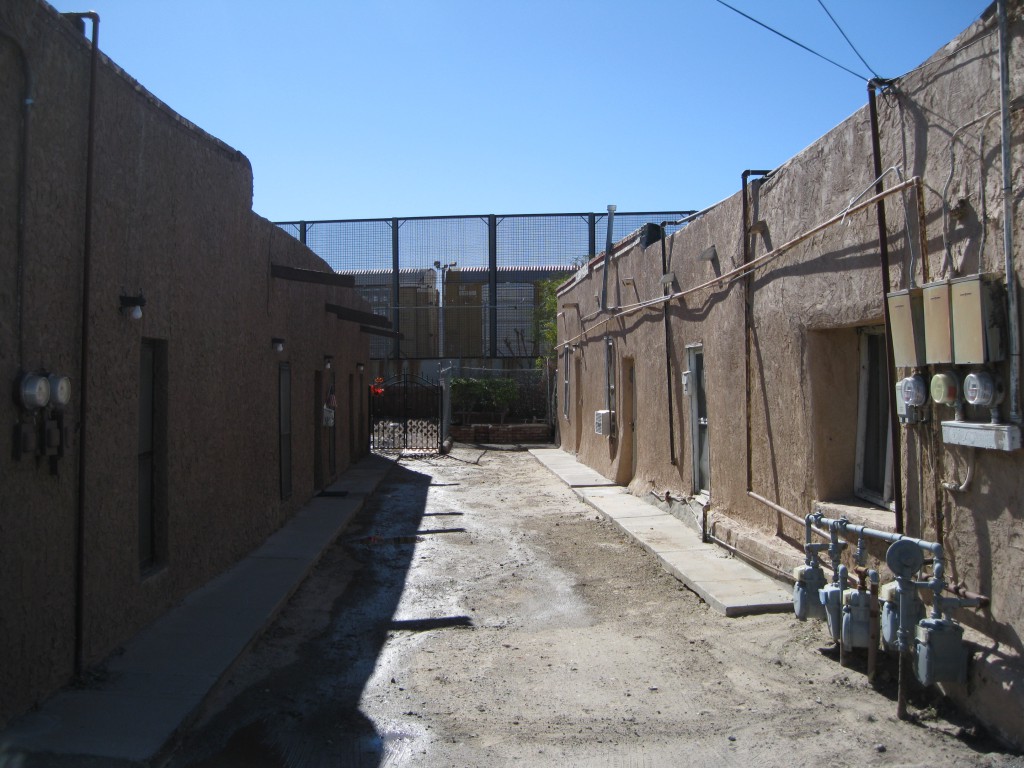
x=941 y=655
x=808 y=579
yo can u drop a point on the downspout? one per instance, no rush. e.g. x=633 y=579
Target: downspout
x=748 y=320
x=609 y=384
x=26 y=112
x=668 y=352
x=883 y=245
x=666 y=289
x=607 y=258
x=84 y=390
x=1011 y=275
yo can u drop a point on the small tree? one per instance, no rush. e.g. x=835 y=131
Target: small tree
x=546 y=319
x=483 y=395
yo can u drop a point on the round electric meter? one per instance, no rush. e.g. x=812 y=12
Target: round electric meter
x=914 y=390
x=34 y=391
x=982 y=389
x=60 y=390
x=945 y=388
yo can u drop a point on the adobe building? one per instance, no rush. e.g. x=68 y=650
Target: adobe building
x=183 y=375
x=740 y=366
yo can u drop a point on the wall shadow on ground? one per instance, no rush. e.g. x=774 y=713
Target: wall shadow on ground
x=307 y=712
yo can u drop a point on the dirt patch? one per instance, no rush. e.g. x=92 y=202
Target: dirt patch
x=480 y=615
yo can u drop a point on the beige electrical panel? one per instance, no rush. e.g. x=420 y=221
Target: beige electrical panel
x=938 y=337
x=978 y=319
x=906 y=325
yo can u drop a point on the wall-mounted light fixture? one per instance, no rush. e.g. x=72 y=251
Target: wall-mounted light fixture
x=360 y=367
x=328 y=362
x=131 y=306
x=627 y=281
x=568 y=304
x=277 y=344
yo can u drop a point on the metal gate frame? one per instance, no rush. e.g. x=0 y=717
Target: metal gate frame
x=405 y=414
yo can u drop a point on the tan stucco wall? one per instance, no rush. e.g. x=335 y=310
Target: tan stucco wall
x=172 y=219
x=803 y=359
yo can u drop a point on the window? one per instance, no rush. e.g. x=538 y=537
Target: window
x=873 y=477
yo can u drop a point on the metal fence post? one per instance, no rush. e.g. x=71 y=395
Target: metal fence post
x=492 y=281
x=395 y=296
x=592 y=236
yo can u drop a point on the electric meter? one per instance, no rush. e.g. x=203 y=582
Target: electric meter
x=34 y=391
x=982 y=389
x=914 y=390
x=945 y=388
x=60 y=390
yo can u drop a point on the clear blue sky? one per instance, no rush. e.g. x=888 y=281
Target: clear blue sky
x=379 y=108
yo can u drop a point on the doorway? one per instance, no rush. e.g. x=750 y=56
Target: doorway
x=318 y=431
x=695 y=386
x=626 y=433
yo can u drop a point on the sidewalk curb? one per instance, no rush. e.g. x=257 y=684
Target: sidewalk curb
x=165 y=674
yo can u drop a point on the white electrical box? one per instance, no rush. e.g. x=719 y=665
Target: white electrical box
x=938 y=334
x=603 y=422
x=906 y=321
x=978 y=318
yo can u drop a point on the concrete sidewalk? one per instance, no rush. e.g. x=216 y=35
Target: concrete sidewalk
x=727 y=584
x=167 y=670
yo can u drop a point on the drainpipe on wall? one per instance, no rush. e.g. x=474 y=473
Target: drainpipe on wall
x=1011 y=275
x=84 y=391
x=748 y=316
x=883 y=246
x=667 y=290
x=26 y=112
x=607 y=258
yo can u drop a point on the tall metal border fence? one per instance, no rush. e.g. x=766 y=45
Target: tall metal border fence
x=463 y=287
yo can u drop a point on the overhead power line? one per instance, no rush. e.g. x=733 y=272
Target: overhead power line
x=794 y=42
x=847 y=39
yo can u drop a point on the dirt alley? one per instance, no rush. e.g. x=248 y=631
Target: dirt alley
x=479 y=614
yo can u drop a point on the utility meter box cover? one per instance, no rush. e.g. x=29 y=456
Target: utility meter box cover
x=938 y=332
x=979 y=319
x=906 y=319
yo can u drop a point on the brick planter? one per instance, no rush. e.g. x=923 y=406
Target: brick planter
x=501 y=434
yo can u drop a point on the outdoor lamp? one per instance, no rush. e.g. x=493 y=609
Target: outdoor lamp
x=277 y=344
x=131 y=306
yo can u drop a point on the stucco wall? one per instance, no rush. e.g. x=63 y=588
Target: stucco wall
x=790 y=388
x=172 y=220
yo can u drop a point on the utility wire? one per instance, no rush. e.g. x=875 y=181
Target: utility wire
x=794 y=42
x=847 y=39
